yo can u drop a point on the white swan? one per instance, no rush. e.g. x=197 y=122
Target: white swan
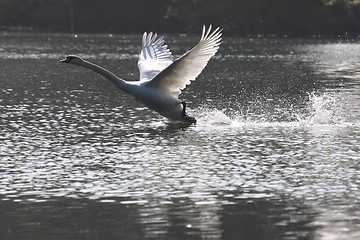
x=161 y=77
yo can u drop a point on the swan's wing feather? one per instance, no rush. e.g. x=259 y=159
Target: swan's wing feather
x=154 y=56
x=186 y=68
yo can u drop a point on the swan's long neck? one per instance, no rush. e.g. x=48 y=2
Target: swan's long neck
x=120 y=83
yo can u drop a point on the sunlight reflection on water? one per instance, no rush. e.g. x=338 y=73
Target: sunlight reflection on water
x=276 y=144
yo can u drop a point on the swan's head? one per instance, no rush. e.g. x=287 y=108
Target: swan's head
x=72 y=59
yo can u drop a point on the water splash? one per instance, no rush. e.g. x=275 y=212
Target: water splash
x=319 y=109
x=326 y=109
x=213 y=117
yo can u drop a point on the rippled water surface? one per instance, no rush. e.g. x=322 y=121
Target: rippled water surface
x=275 y=153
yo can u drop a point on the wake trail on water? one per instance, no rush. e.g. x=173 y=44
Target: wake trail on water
x=320 y=110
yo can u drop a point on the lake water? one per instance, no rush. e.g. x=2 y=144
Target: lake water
x=274 y=155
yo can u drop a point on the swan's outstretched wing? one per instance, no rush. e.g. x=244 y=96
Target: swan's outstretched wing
x=154 y=56
x=186 y=68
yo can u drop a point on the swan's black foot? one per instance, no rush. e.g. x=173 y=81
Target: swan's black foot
x=185 y=116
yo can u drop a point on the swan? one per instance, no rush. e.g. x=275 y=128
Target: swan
x=161 y=77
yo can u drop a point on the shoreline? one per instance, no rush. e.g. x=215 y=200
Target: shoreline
x=31 y=31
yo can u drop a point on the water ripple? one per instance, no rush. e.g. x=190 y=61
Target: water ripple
x=262 y=149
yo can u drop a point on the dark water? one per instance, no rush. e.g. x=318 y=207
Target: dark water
x=275 y=153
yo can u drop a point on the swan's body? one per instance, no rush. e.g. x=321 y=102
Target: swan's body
x=161 y=77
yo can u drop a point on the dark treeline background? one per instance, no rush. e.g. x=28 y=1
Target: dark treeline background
x=241 y=17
